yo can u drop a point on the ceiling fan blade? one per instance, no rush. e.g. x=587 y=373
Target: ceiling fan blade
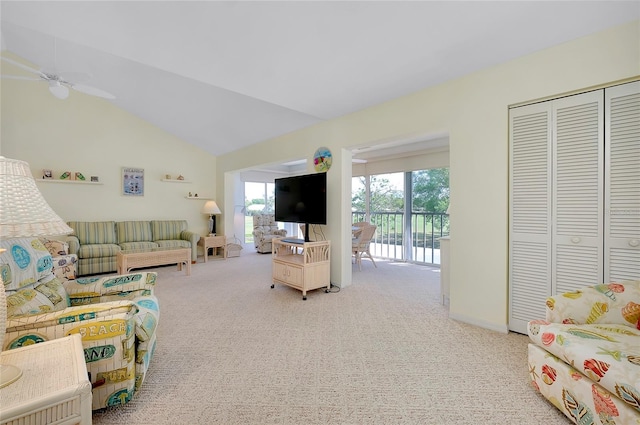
x=92 y=91
x=21 y=66
x=17 y=77
x=73 y=77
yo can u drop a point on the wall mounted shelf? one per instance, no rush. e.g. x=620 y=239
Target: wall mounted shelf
x=176 y=181
x=66 y=181
x=197 y=198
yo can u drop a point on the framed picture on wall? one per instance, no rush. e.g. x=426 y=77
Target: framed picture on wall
x=132 y=181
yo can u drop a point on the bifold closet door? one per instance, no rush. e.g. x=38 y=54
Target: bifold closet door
x=578 y=191
x=529 y=213
x=622 y=188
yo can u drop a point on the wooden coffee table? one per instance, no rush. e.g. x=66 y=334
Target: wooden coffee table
x=135 y=259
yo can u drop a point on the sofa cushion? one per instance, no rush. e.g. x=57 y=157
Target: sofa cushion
x=174 y=244
x=64 y=267
x=98 y=251
x=133 y=231
x=25 y=262
x=605 y=303
x=56 y=248
x=606 y=354
x=167 y=229
x=92 y=290
x=94 y=232
x=43 y=297
x=132 y=246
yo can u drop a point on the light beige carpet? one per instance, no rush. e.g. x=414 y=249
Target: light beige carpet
x=231 y=350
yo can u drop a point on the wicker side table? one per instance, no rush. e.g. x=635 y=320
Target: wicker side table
x=216 y=243
x=54 y=386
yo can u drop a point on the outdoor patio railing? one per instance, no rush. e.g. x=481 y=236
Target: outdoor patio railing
x=426 y=229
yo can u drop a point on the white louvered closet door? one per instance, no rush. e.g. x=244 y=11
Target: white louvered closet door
x=622 y=188
x=529 y=213
x=578 y=183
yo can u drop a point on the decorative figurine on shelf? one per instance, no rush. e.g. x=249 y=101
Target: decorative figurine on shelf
x=190 y=196
x=65 y=176
x=79 y=176
x=47 y=174
x=167 y=176
x=195 y=196
x=180 y=177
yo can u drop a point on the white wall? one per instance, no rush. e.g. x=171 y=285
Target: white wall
x=473 y=111
x=438 y=158
x=92 y=136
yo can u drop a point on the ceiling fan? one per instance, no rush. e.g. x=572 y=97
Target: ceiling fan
x=58 y=84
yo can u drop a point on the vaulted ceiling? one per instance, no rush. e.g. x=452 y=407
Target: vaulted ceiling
x=225 y=75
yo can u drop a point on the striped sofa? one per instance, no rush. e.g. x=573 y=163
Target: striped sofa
x=96 y=243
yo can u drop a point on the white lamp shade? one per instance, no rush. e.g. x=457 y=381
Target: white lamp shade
x=211 y=208
x=23 y=210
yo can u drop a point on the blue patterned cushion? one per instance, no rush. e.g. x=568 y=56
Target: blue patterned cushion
x=25 y=262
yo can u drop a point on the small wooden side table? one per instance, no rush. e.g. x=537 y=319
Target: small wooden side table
x=54 y=386
x=215 y=242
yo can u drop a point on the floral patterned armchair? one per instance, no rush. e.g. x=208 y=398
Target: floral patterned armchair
x=264 y=230
x=585 y=356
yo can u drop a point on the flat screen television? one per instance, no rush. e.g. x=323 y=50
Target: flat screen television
x=302 y=199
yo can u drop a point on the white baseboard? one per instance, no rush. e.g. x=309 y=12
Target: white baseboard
x=474 y=321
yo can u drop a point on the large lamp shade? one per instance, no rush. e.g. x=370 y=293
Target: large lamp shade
x=23 y=210
x=23 y=213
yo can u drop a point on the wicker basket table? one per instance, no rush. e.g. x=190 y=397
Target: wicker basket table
x=54 y=387
x=135 y=259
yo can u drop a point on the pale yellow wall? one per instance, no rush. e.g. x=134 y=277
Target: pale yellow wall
x=473 y=111
x=90 y=135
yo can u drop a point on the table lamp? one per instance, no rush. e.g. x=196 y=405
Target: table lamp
x=211 y=208
x=23 y=213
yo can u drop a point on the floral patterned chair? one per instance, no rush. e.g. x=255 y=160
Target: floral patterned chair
x=585 y=357
x=264 y=230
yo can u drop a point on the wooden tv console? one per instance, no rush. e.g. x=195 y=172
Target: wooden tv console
x=303 y=265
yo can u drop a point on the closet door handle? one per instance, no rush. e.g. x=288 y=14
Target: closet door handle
x=634 y=242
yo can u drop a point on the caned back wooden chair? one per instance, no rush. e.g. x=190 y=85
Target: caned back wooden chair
x=360 y=245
